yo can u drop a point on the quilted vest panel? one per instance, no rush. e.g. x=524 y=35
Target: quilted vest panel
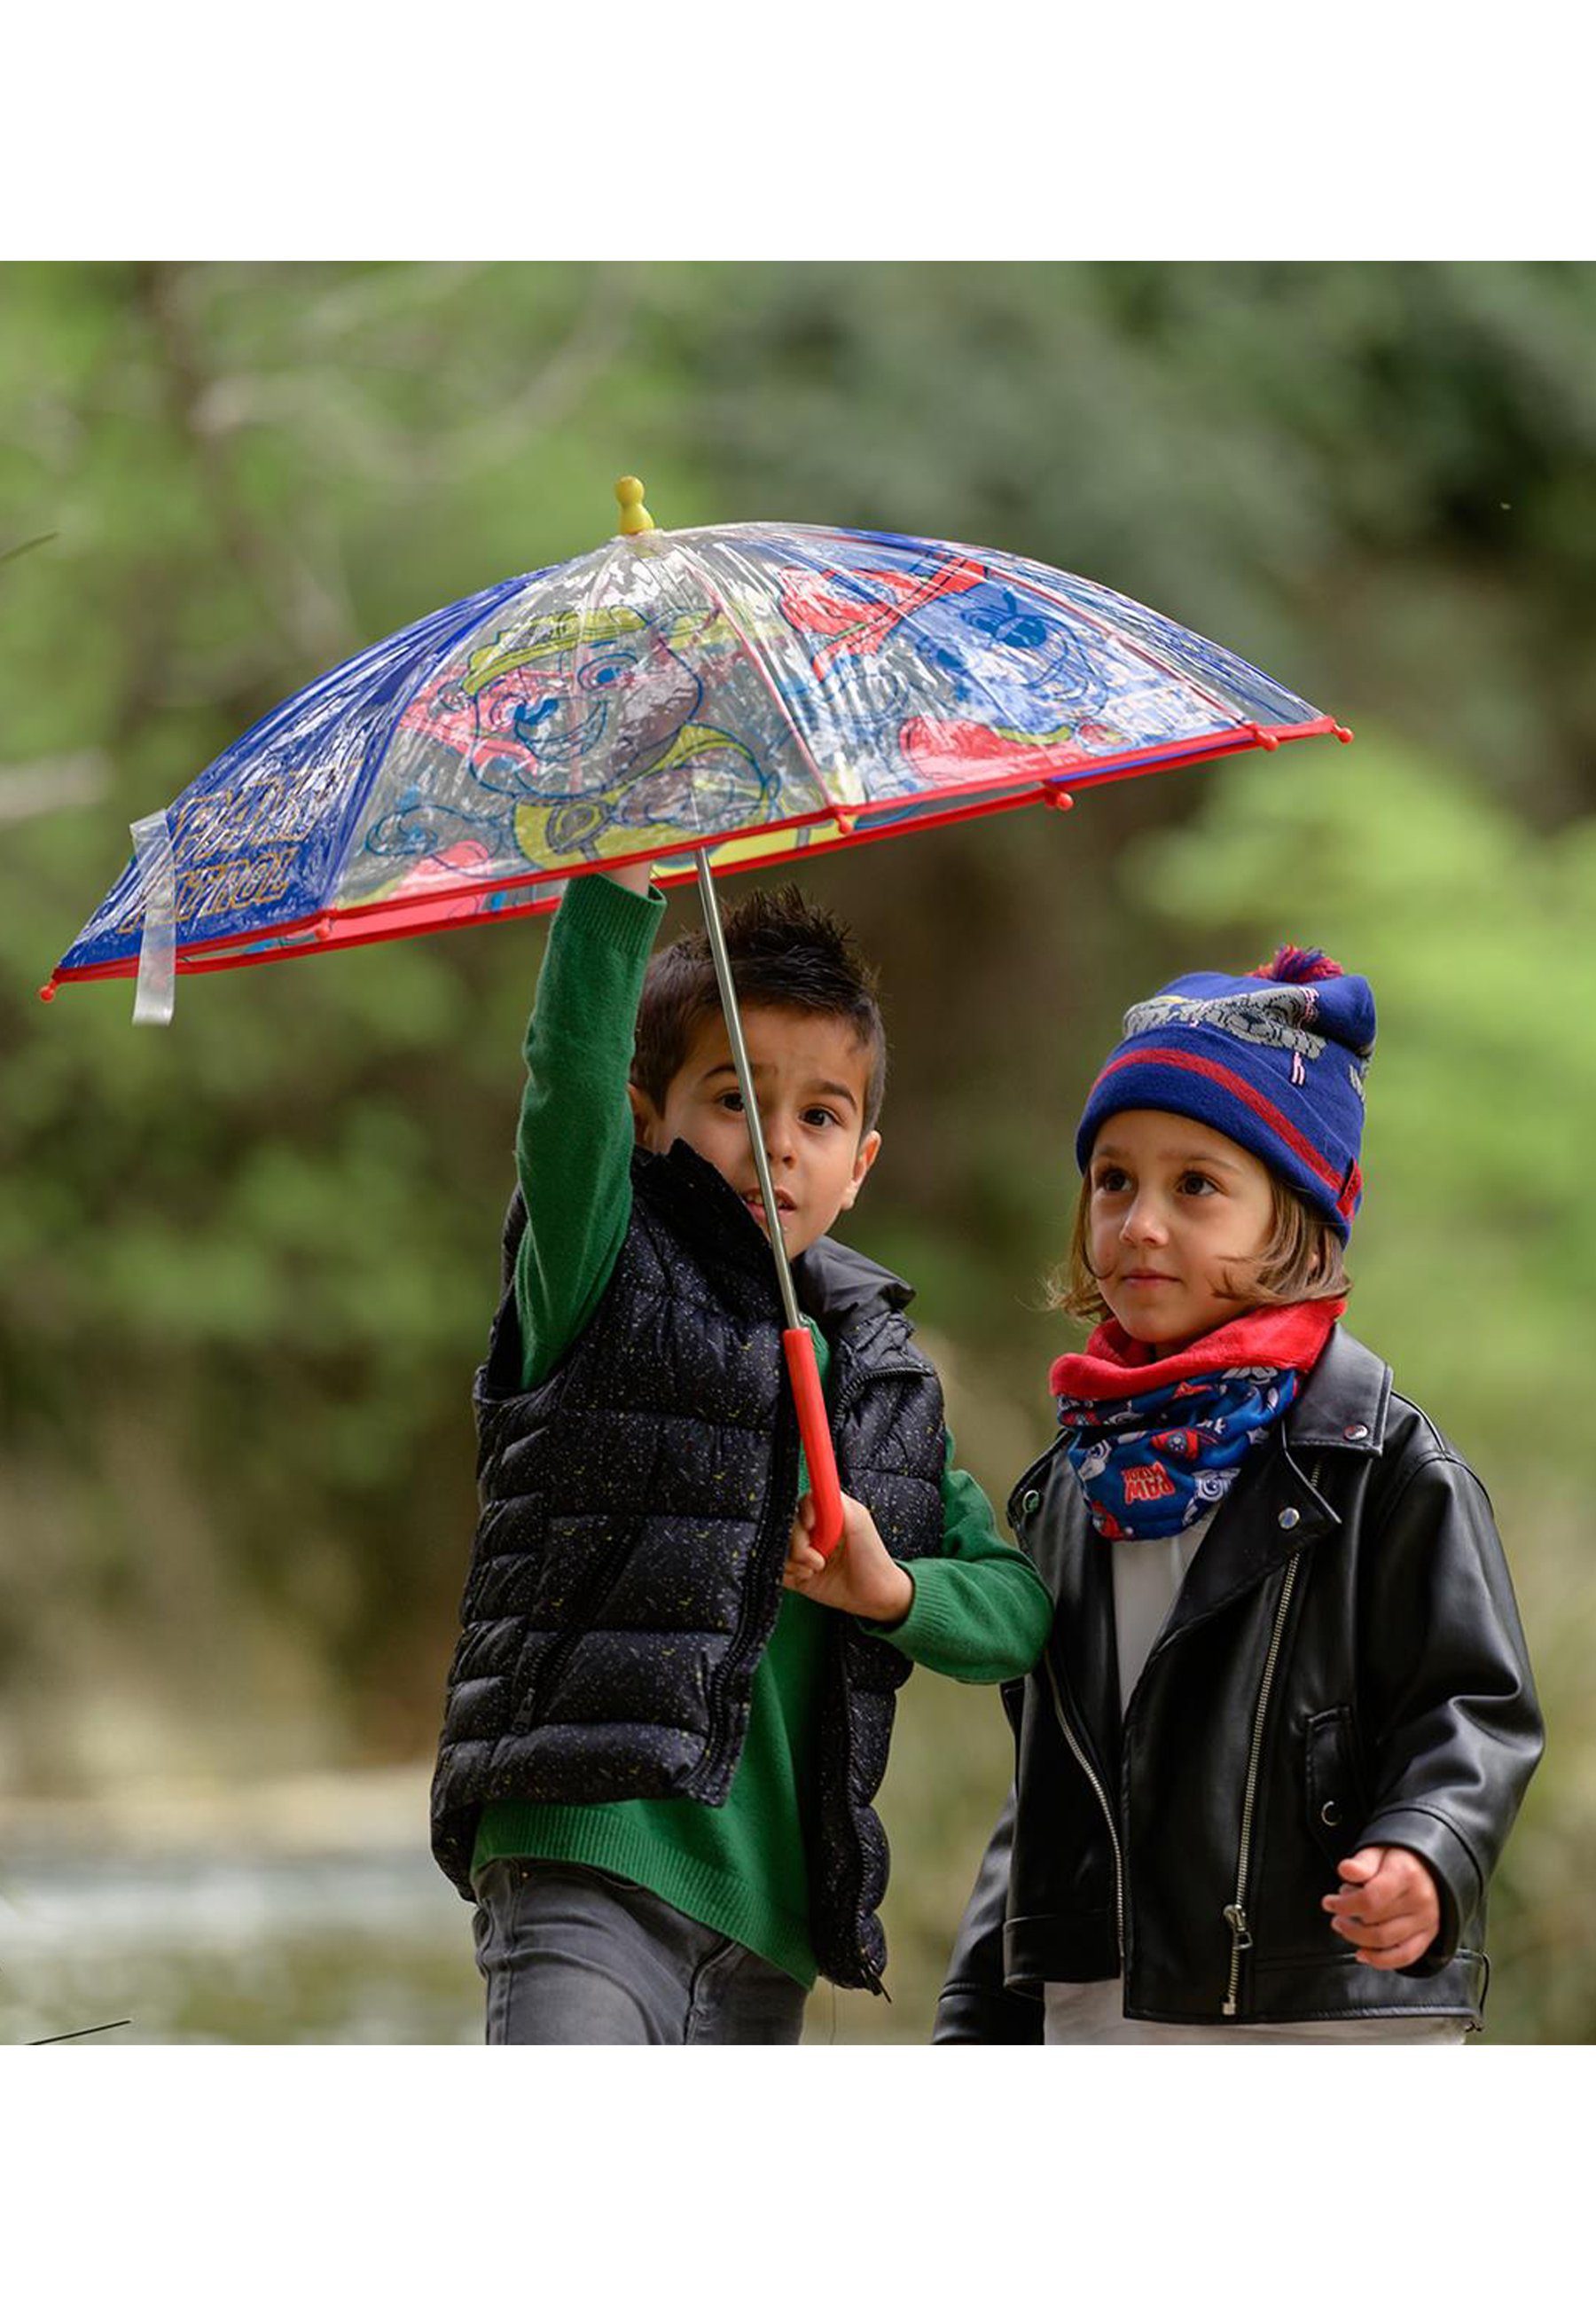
x=634 y=1508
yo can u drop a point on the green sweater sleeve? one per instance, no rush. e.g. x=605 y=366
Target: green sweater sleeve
x=574 y=1142
x=980 y=1612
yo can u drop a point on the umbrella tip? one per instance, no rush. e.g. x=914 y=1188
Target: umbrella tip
x=48 y=991
x=635 y=519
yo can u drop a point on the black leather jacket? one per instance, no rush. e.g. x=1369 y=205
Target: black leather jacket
x=1344 y=1665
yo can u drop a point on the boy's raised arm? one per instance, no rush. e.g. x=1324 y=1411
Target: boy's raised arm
x=575 y=1138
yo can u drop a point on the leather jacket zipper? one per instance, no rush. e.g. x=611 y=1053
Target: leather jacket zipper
x=1096 y=1782
x=1235 y=1914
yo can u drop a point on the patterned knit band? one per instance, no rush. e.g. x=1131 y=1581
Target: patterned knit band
x=1273 y=1061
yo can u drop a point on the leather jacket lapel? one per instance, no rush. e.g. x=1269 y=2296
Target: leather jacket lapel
x=1272 y=1513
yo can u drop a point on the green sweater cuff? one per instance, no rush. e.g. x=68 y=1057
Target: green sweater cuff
x=992 y=1628
x=607 y=914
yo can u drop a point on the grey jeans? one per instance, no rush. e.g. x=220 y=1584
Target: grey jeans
x=574 y=1954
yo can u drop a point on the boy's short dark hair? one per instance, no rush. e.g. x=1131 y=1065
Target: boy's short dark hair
x=785 y=953
x=1301 y=1262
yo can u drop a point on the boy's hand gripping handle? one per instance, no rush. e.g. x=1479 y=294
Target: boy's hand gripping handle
x=814 y=1431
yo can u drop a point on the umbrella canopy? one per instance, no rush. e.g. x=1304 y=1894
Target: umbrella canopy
x=763 y=688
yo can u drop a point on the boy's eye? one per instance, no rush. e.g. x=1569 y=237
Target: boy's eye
x=731 y=1098
x=820 y=1116
x=1195 y=1182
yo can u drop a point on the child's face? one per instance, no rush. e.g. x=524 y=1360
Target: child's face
x=811 y=1075
x=1175 y=1213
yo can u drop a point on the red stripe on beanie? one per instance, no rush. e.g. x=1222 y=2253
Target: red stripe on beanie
x=1183 y=1061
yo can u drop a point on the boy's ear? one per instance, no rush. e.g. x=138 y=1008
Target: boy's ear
x=864 y=1161
x=644 y=1119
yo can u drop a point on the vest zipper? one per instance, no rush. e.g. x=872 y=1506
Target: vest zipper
x=769 y=1549
x=590 y=1598
x=1096 y=1782
x=856 y=1868
x=846 y=1396
x=1235 y=1914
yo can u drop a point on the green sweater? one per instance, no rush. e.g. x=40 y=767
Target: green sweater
x=979 y=1613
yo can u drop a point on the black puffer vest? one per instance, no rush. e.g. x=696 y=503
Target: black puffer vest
x=636 y=1507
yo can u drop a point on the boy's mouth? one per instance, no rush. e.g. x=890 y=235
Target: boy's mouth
x=785 y=1204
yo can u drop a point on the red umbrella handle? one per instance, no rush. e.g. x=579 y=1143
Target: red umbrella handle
x=814 y=1431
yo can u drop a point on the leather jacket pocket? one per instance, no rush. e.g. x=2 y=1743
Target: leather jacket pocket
x=1334 y=1787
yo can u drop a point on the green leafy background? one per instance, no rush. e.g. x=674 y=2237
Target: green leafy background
x=246 y=1264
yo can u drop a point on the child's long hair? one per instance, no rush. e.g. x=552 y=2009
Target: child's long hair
x=1301 y=1262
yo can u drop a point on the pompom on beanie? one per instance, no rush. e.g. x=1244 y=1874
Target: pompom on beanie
x=1273 y=1061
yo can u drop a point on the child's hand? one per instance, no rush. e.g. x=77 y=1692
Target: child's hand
x=861 y=1575
x=635 y=877
x=1390 y=1909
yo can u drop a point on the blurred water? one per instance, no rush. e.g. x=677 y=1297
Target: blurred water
x=236 y=1942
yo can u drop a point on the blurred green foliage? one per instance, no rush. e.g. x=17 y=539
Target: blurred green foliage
x=246 y=1266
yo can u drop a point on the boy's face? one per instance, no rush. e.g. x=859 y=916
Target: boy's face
x=1175 y=1213
x=811 y=1074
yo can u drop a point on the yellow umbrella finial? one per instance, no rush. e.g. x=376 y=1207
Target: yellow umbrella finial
x=636 y=517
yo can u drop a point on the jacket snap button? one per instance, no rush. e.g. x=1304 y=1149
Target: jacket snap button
x=1357 y=1432
x=1030 y=1502
x=1330 y=1814
x=1290 y=1517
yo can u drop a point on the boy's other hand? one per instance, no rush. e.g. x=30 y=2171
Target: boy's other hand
x=1389 y=1908
x=861 y=1575
x=635 y=877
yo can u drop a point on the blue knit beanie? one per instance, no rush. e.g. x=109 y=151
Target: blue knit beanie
x=1273 y=1061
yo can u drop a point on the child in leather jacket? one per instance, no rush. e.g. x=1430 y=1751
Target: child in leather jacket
x=1285 y=1717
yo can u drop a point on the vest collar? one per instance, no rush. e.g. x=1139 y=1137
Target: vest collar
x=833 y=1282
x=705 y=1208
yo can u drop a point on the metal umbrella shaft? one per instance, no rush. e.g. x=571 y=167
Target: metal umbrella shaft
x=815 y=1428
